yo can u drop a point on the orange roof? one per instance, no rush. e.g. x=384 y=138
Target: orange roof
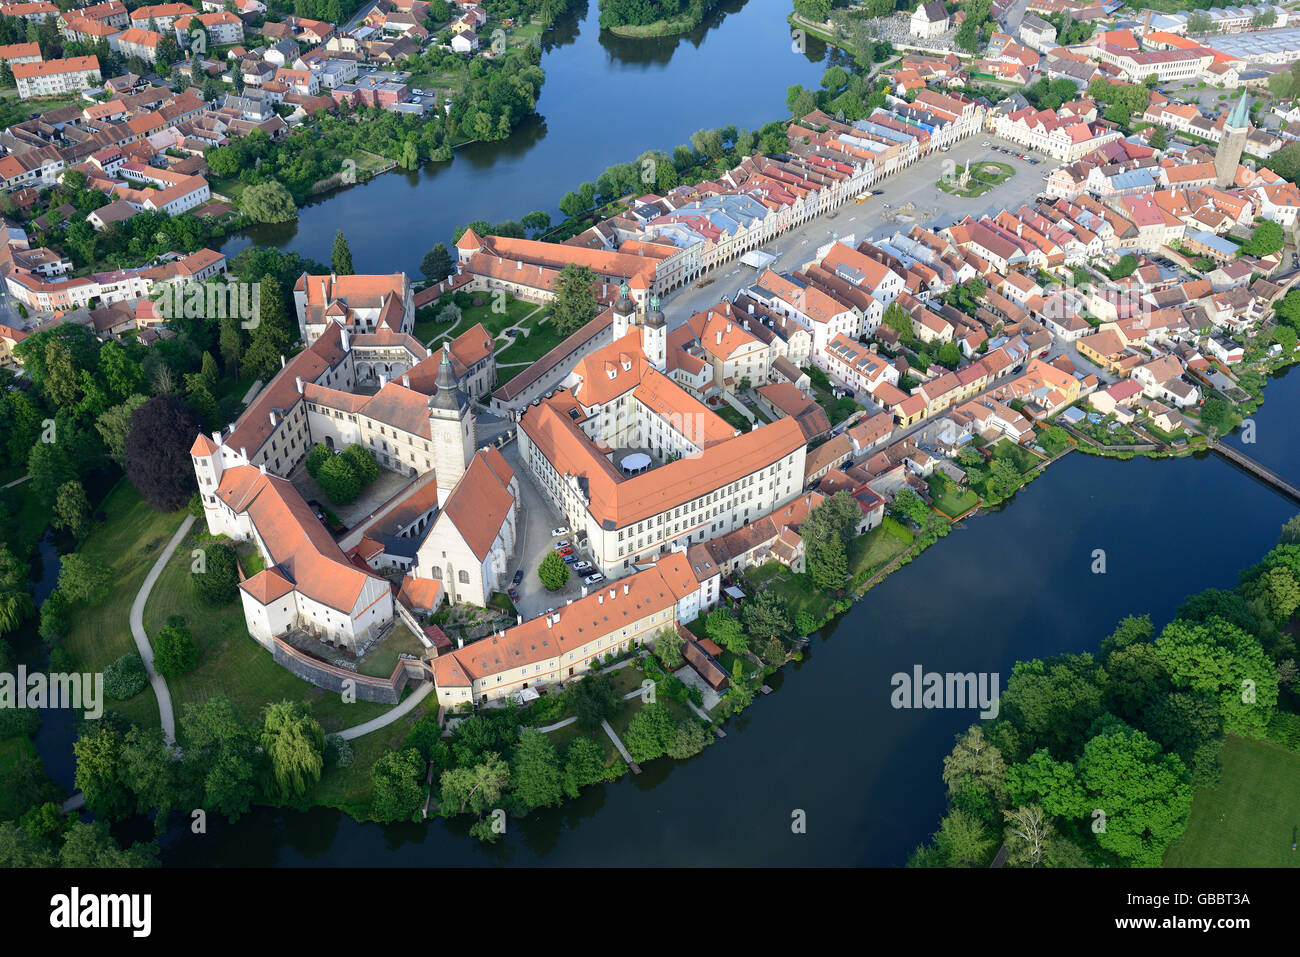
x=481 y=500
x=267 y=585
x=299 y=544
x=543 y=639
x=75 y=64
x=617 y=501
x=203 y=446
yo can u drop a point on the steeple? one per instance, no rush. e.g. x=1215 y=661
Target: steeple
x=448 y=395
x=1239 y=119
x=624 y=310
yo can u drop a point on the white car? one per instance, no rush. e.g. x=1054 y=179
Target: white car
x=594 y=579
x=557 y=532
x=562 y=544
x=581 y=566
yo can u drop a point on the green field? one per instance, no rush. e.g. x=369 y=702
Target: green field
x=129 y=542
x=541 y=339
x=952 y=499
x=1251 y=818
x=230 y=661
x=514 y=310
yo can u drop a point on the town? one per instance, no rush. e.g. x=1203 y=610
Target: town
x=662 y=447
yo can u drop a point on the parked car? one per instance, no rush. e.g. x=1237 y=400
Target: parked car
x=557 y=532
x=513 y=593
x=567 y=553
x=582 y=566
x=986 y=142
x=562 y=543
x=594 y=579
x=570 y=558
x=519 y=576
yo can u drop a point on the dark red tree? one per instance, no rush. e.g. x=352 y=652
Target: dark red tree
x=158 y=445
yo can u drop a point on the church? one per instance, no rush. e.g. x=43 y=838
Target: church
x=418 y=424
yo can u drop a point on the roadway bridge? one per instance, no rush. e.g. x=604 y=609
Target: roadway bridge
x=1241 y=459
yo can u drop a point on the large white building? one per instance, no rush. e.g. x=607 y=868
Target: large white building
x=640 y=467
x=56 y=77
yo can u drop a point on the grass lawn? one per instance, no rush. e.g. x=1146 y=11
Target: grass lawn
x=513 y=311
x=541 y=339
x=1022 y=459
x=230 y=661
x=953 y=500
x=349 y=789
x=872 y=551
x=129 y=542
x=380 y=662
x=1250 y=820
x=793 y=589
x=733 y=417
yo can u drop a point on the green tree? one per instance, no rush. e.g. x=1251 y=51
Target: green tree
x=114 y=424
x=436 y=265
x=217 y=584
x=650 y=733
x=341 y=255
x=150 y=772
x=220 y=761
x=574 y=302
x=268 y=203
x=584 y=764
x=688 y=739
x=553 y=572
x=725 y=629
x=1221 y=660
x=1266 y=238
x=475 y=789
x=83 y=577
x=964 y=840
x=398 y=789
x=175 y=652
x=99 y=773
x=16 y=602
x=765 y=616
x=668 y=647
x=295 y=746
x=536 y=776
x=594 y=700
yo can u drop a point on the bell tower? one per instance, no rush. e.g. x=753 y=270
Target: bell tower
x=654 y=336
x=451 y=428
x=624 y=311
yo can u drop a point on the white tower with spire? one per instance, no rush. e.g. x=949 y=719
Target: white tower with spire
x=451 y=428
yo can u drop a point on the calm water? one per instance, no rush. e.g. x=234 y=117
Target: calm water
x=605 y=101
x=828 y=742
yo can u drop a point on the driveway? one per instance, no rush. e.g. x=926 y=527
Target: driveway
x=537 y=517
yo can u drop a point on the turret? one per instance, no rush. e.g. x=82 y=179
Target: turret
x=624 y=312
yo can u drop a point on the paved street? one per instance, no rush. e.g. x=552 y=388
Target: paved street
x=916 y=184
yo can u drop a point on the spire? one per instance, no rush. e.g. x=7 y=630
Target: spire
x=1240 y=117
x=448 y=396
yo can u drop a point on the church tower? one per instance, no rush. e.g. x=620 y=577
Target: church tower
x=623 y=312
x=1228 y=155
x=451 y=428
x=654 y=336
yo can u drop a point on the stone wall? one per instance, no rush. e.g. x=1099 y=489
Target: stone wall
x=324 y=675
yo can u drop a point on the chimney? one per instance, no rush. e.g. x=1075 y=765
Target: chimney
x=600 y=599
x=584 y=591
x=746 y=325
x=262 y=468
x=298 y=379
x=383 y=380
x=719 y=337
x=728 y=328
x=343 y=339
x=612 y=593
x=549 y=623
x=216 y=437
x=406 y=380
x=282 y=361
x=567 y=602
x=751 y=308
x=243 y=453
x=519 y=619
x=626 y=588
x=519 y=264
x=272 y=418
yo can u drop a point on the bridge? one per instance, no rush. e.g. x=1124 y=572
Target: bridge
x=1242 y=460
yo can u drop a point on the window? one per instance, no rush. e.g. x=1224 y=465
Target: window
x=464 y=577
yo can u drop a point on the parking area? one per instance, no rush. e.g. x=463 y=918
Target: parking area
x=538 y=517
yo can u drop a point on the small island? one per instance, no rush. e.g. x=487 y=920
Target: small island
x=653 y=18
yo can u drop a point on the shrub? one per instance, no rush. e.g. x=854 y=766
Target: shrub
x=338 y=751
x=218 y=583
x=553 y=572
x=125 y=678
x=318 y=456
x=174 y=651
